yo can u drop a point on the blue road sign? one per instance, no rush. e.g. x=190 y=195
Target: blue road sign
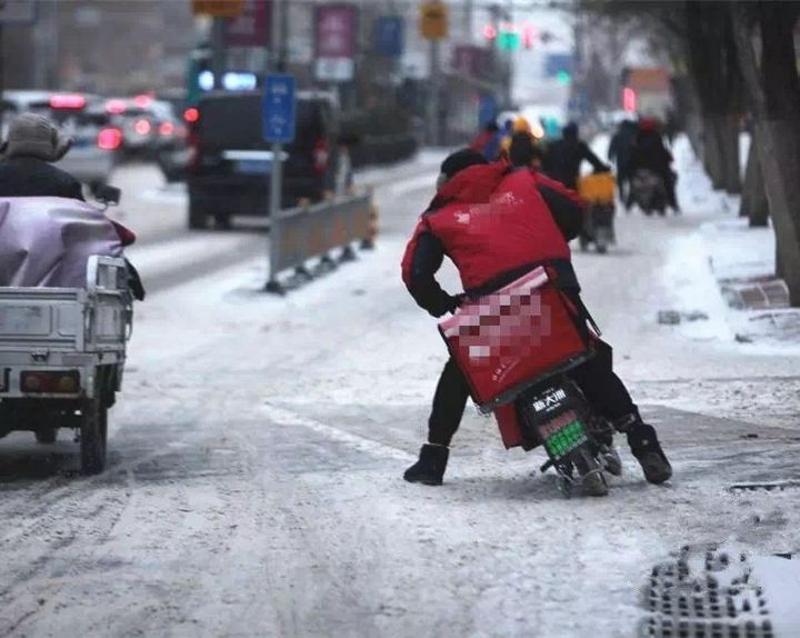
x=556 y=63
x=278 y=109
x=389 y=36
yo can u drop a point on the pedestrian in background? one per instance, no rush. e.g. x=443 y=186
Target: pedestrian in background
x=565 y=156
x=619 y=152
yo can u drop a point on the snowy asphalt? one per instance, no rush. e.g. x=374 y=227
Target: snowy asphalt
x=255 y=458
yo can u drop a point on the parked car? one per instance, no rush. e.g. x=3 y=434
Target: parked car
x=96 y=141
x=230 y=163
x=171 y=152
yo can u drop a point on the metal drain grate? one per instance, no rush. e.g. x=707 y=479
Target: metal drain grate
x=705 y=593
x=668 y=628
x=777 y=486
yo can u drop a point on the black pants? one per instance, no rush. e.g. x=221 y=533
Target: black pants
x=603 y=389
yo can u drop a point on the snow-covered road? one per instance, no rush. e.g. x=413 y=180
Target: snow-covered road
x=256 y=454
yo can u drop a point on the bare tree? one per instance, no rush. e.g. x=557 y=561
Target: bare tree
x=764 y=36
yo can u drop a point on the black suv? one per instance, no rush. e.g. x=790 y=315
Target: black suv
x=230 y=163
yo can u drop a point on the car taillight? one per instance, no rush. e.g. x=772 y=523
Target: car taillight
x=51 y=382
x=321 y=156
x=116 y=106
x=67 y=101
x=142 y=127
x=191 y=115
x=166 y=128
x=109 y=139
x=143 y=101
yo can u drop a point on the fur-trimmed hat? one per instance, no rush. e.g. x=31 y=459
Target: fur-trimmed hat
x=32 y=135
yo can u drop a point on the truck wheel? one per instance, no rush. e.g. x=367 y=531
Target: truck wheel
x=94 y=433
x=46 y=435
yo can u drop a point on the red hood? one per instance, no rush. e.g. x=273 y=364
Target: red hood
x=474 y=184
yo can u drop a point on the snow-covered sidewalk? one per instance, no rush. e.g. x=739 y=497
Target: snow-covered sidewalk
x=728 y=289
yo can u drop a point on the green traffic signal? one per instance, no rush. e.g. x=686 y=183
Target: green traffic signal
x=563 y=77
x=509 y=41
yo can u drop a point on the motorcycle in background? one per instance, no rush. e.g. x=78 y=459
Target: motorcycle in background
x=649 y=192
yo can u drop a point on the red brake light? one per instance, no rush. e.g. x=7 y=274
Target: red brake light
x=67 y=101
x=166 y=128
x=191 y=115
x=142 y=127
x=109 y=139
x=629 y=99
x=143 y=101
x=116 y=106
x=51 y=382
x=321 y=156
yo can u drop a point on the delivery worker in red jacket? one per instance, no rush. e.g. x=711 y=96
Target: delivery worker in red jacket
x=489 y=252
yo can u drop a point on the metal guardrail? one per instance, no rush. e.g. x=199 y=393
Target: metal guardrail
x=302 y=233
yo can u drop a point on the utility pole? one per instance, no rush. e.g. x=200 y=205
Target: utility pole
x=281 y=48
x=2 y=77
x=218 y=50
x=509 y=59
x=276 y=64
x=433 y=103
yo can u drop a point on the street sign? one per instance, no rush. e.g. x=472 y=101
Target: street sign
x=389 y=36
x=218 y=8
x=335 y=33
x=17 y=11
x=278 y=109
x=251 y=28
x=335 y=69
x=433 y=20
x=556 y=64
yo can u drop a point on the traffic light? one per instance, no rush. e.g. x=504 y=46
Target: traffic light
x=563 y=77
x=508 y=40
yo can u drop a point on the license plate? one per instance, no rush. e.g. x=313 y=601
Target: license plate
x=563 y=434
x=253 y=167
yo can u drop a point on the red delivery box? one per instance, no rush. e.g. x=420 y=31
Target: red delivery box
x=508 y=338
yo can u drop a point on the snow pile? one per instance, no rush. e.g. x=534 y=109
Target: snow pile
x=708 y=268
x=694 y=190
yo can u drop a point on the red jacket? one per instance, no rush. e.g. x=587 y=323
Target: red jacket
x=489 y=220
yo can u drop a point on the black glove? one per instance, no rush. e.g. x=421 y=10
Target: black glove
x=456 y=301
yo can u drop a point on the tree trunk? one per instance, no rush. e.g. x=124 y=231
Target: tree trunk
x=754 y=203
x=712 y=150
x=729 y=148
x=712 y=62
x=774 y=88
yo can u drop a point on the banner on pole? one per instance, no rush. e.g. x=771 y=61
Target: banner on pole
x=251 y=28
x=335 y=30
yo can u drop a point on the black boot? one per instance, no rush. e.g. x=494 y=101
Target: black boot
x=645 y=447
x=429 y=470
